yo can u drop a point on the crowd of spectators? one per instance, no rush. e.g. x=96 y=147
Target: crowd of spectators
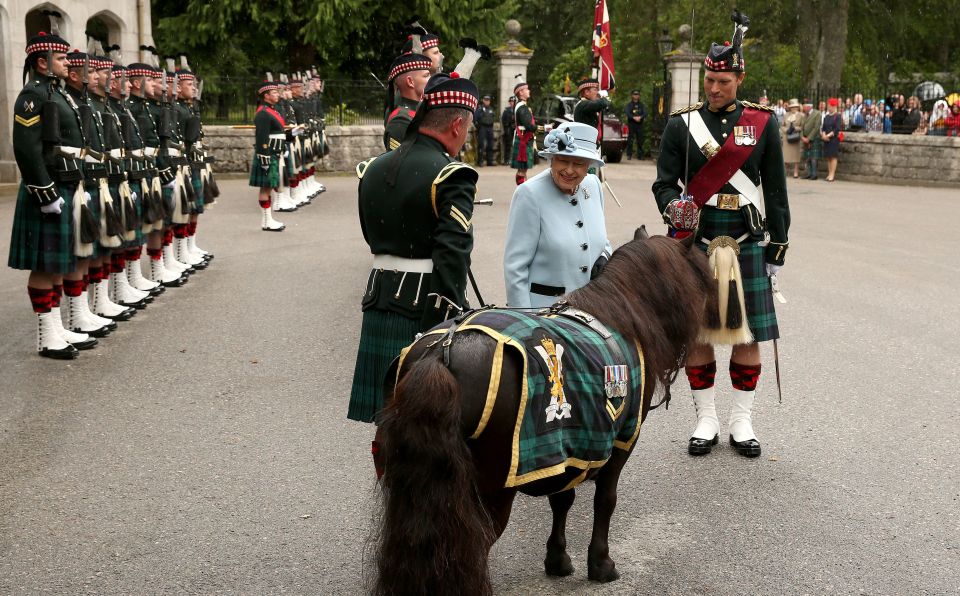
x=892 y=115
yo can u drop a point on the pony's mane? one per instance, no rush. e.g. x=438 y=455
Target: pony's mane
x=653 y=291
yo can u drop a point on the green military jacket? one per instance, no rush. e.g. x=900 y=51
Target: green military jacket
x=765 y=165
x=588 y=111
x=36 y=158
x=426 y=214
x=94 y=135
x=396 y=123
x=267 y=121
x=147 y=123
x=189 y=128
x=109 y=124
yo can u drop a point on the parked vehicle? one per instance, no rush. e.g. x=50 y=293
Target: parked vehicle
x=557 y=109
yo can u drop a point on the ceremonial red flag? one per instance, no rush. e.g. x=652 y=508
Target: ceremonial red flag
x=602 y=46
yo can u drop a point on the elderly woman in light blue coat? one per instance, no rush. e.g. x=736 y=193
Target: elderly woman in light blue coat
x=556 y=233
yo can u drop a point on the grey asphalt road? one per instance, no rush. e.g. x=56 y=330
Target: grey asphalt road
x=203 y=448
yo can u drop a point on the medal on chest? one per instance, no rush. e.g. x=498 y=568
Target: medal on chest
x=745 y=135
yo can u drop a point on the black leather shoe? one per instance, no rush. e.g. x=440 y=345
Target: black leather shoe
x=138 y=305
x=157 y=290
x=702 y=446
x=67 y=353
x=111 y=326
x=175 y=283
x=86 y=344
x=748 y=448
x=98 y=332
x=124 y=315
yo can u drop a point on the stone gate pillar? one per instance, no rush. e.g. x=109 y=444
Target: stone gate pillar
x=512 y=60
x=684 y=66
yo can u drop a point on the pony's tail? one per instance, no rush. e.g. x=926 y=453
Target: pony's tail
x=434 y=534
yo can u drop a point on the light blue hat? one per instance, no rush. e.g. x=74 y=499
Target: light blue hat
x=572 y=139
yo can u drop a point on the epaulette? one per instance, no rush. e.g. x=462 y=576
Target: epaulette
x=449 y=169
x=445 y=173
x=757 y=106
x=362 y=167
x=692 y=108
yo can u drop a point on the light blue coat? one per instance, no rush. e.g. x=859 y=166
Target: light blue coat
x=551 y=241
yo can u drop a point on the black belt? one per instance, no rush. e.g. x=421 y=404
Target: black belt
x=543 y=290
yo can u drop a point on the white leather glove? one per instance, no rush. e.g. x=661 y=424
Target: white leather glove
x=53 y=207
x=133 y=195
x=87 y=197
x=772 y=269
x=170 y=184
x=603 y=93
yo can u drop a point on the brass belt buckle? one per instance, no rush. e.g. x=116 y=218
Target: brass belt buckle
x=709 y=149
x=728 y=202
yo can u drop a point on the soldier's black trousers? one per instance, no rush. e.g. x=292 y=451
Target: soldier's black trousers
x=635 y=135
x=485 y=144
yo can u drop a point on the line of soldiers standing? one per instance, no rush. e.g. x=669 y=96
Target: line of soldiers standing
x=111 y=159
x=288 y=143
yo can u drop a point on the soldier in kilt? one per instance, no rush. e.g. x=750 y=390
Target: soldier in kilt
x=727 y=212
x=177 y=188
x=145 y=108
x=93 y=264
x=268 y=145
x=524 y=137
x=416 y=210
x=136 y=173
x=118 y=215
x=189 y=122
x=47 y=144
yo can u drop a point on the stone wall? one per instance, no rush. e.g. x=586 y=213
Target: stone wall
x=233 y=147
x=899 y=159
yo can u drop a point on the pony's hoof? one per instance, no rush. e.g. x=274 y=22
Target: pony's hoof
x=559 y=566
x=604 y=572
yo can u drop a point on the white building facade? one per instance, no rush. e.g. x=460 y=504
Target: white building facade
x=122 y=22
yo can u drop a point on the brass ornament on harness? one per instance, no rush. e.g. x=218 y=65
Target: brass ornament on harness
x=720 y=241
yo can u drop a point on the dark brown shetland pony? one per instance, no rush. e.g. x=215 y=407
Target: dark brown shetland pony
x=445 y=503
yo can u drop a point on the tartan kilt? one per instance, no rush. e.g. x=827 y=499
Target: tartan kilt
x=40 y=241
x=814 y=150
x=268 y=179
x=757 y=293
x=197 y=189
x=383 y=335
x=118 y=204
x=515 y=162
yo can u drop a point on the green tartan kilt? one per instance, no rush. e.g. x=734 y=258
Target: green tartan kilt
x=41 y=241
x=814 y=150
x=197 y=189
x=515 y=162
x=268 y=179
x=382 y=335
x=757 y=293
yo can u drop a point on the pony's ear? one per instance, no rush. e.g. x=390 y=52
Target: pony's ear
x=641 y=233
x=687 y=242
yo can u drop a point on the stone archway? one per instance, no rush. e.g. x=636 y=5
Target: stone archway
x=106 y=27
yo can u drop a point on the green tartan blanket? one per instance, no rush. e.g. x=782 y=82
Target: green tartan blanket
x=580 y=399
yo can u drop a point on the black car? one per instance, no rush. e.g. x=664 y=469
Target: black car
x=557 y=109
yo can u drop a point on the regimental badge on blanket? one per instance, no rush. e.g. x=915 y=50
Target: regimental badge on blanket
x=616 y=384
x=745 y=135
x=552 y=356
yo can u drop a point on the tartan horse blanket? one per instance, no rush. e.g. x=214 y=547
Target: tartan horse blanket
x=581 y=392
